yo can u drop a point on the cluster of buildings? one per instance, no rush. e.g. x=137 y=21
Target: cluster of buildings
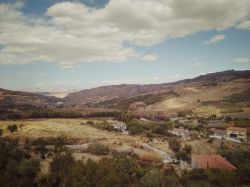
x=236 y=134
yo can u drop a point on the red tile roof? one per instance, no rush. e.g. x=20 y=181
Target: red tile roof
x=212 y=161
x=237 y=129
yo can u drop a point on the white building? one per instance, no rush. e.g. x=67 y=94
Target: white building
x=120 y=126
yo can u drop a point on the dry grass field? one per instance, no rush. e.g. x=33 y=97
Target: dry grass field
x=78 y=130
x=68 y=128
x=202 y=147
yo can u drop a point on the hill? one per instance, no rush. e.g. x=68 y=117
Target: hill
x=219 y=93
x=9 y=97
x=214 y=91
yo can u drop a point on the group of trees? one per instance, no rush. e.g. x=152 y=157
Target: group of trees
x=16 y=167
x=241 y=159
x=122 y=170
x=149 y=129
x=98 y=149
x=11 y=128
x=117 y=171
x=181 y=153
x=50 y=111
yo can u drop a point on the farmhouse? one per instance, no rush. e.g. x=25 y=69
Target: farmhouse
x=237 y=133
x=218 y=133
x=181 y=132
x=214 y=161
x=120 y=126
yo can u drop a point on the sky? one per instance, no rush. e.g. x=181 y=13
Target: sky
x=56 y=45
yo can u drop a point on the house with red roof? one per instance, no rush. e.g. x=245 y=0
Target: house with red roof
x=213 y=161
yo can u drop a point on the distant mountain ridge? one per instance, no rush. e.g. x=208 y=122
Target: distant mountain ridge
x=105 y=93
x=210 y=88
x=9 y=97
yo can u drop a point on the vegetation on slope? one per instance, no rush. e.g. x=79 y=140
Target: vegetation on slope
x=148 y=99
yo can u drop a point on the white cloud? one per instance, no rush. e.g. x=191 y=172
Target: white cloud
x=242 y=60
x=150 y=58
x=71 y=33
x=215 y=39
x=244 y=25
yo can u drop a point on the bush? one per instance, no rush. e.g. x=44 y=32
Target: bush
x=1 y=132
x=16 y=169
x=12 y=128
x=113 y=172
x=174 y=145
x=210 y=140
x=60 y=143
x=135 y=128
x=42 y=149
x=90 y=122
x=98 y=149
x=183 y=156
x=187 y=149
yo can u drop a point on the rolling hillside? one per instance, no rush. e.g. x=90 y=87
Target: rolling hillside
x=9 y=97
x=218 y=93
x=220 y=88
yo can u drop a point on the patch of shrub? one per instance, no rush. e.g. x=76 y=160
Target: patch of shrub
x=210 y=140
x=12 y=128
x=174 y=145
x=1 y=132
x=98 y=149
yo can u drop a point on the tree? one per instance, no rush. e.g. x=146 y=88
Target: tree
x=152 y=178
x=1 y=132
x=16 y=167
x=12 y=128
x=174 y=145
x=98 y=149
x=135 y=128
x=187 y=149
x=182 y=156
x=155 y=178
x=60 y=144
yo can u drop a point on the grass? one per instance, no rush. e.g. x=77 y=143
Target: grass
x=150 y=157
x=231 y=110
x=201 y=147
x=72 y=129
x=148 y=99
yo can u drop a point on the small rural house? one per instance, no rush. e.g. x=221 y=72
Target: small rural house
x=237 y=133
x=213 y=161
x=120 y=126
x=185 y=134
x=218 y=133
